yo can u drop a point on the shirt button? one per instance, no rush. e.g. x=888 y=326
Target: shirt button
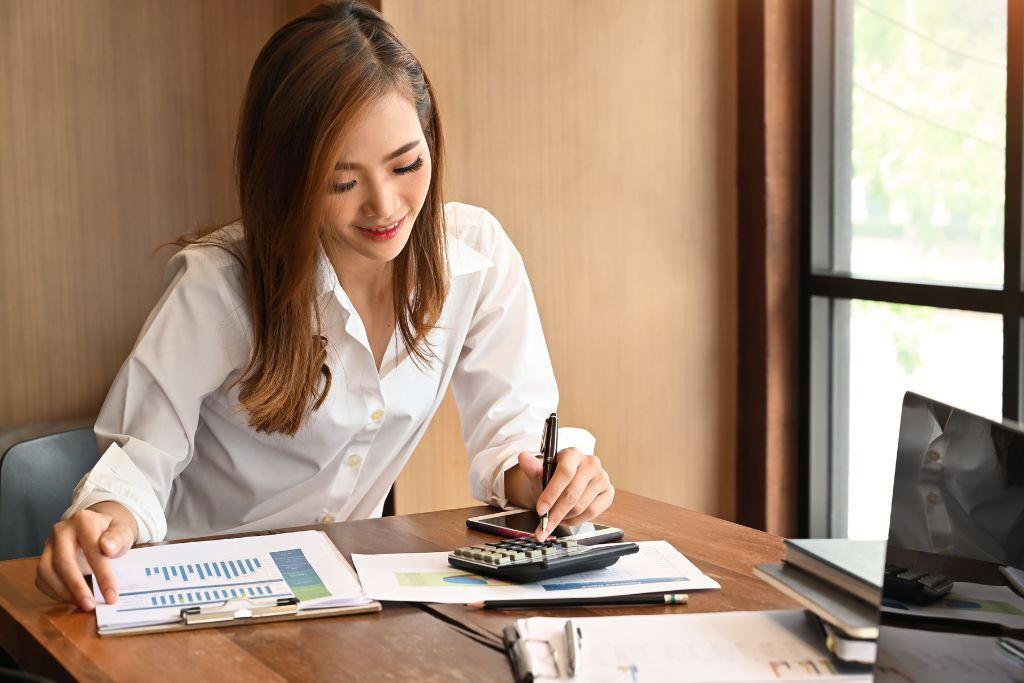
x=933 y=498
x=933 y=455
x=377 y=415
x=354 y=460
x=327 y=519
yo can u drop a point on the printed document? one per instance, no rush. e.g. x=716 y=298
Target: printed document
x=781 y=645
x=155 y=583
x=427 y=577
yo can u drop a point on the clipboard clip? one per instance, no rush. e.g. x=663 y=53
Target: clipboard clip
x=237 y=609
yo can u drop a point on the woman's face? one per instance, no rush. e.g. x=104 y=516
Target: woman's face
x=379 y=183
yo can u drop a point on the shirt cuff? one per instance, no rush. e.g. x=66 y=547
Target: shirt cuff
x=507 y=457
x=116 y=478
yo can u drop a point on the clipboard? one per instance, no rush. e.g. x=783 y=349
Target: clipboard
x=529 y=658
x=239 y=612
x=236 y=611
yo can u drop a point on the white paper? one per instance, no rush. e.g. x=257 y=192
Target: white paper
x=971 y=601
x=427 y=577
x=783 y=645
x=914 y=656
x=155 y=583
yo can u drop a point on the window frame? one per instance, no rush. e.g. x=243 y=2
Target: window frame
x=826 y=291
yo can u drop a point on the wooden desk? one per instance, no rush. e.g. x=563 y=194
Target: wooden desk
x=404 y=642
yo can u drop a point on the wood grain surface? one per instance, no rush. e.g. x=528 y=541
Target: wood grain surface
x=402 y=643
x=602 y=135
x=117 y=125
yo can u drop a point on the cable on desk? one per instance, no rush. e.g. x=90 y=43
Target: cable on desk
x=484 y=638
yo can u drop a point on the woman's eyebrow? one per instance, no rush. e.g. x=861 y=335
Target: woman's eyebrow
x=345 y=165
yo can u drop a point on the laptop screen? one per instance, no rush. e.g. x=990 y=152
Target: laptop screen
x=953 y=604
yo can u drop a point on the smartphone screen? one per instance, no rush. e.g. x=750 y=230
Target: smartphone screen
x=529 y=520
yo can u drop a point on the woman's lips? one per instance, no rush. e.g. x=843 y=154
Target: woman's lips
x=384 y=232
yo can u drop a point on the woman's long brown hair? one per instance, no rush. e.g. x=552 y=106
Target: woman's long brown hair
x=310 y=80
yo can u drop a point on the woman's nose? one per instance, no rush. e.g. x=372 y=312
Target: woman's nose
x=379 y=201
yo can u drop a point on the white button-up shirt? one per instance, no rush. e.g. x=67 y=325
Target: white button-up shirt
x=956 y=491
x=179 y=452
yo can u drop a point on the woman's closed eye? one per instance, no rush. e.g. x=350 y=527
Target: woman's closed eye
x=338 y=188
x=411 y=168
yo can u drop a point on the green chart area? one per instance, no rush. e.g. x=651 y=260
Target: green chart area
x=299 y=574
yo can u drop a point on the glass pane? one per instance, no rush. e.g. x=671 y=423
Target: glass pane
x=920 y=189
x=953 y=356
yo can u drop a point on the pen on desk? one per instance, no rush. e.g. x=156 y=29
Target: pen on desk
x=611 y=601
x=549 y=449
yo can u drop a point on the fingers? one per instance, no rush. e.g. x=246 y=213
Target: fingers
x=65 y=566
x=601 y=502
x=530 y=464
x=85 y=541
x=47 y=580
x=579 y=480
x=115 y=541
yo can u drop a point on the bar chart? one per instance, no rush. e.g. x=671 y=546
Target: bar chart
x=201 y=571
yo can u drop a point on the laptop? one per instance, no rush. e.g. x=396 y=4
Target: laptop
x=957 y=513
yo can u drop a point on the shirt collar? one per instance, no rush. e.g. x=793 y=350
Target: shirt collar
x=462 y=260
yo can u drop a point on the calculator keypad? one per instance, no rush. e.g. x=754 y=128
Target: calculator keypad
x=526 y=559
x=519 y=551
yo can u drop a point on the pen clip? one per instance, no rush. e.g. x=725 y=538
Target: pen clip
x=238 y=608
x=573 y=642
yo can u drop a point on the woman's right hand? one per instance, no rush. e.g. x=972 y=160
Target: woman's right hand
x=83 y=544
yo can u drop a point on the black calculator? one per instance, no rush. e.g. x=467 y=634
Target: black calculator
x=526 y=559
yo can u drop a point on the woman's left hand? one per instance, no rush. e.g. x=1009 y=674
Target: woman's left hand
x=579 y=490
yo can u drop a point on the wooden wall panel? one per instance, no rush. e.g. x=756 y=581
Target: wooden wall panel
x=602 y=135
x=117 y=124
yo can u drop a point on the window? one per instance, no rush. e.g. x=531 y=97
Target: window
x=912 y=267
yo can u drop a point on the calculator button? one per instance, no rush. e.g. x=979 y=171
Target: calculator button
x=548 y=552
x=534 y=553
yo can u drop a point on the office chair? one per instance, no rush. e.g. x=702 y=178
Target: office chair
x=37 y=477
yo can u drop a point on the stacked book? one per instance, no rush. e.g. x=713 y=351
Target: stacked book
x=840 y=581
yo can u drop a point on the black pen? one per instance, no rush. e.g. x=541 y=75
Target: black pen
x=610 y=601
x=549 y=449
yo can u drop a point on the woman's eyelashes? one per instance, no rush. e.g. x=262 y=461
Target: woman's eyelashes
x=414 y=166
x=338 y=188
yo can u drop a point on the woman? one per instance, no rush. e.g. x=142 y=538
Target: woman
x=295 y=358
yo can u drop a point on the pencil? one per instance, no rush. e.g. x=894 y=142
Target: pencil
x=611 y=601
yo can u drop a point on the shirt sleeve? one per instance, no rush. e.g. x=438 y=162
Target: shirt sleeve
x=192 y=340
x=504 y=384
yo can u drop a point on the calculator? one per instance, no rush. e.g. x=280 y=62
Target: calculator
x=526 y=559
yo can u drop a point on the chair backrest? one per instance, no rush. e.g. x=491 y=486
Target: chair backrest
x=37 y=478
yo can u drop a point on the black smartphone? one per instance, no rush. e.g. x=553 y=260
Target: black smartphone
x=520 y=523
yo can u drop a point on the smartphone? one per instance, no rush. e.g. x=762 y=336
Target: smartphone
x=520 y=523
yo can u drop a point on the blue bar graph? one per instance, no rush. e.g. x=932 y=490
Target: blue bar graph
x=206 y=571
